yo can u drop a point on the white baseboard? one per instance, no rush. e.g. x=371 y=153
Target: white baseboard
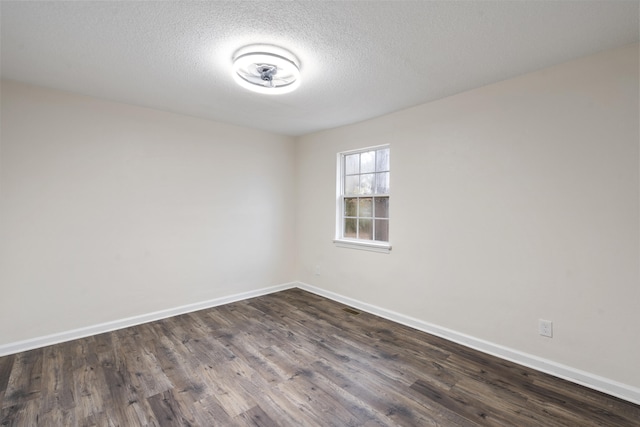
x=43 y=341
x=605 y=385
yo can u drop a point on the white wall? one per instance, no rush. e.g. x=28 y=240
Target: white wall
x=512 y=202
x=110 y=211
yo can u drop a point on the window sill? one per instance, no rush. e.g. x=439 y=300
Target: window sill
x=363 y=246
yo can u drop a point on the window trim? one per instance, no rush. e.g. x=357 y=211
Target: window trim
x=363 y=245
x=342 y=242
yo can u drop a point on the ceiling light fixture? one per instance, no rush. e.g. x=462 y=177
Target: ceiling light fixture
x=266 y=69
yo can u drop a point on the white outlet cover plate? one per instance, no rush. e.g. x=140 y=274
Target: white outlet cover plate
x=545 y=327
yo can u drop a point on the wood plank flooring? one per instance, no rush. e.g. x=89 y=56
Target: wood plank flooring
x=287 y=359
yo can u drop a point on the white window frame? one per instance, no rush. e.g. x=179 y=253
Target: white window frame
x=343 y=242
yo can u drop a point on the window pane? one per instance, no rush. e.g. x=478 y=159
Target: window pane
x=352 y=164
x=368 y=162
x=366 y=208
x=351 y=184
x=350 y=227
x=365 y=226
x=382 y=230
x=382 y=207
x=382 y=160
x=351 y=207
x=366 y=183
x=365 y=195
x=382 y=183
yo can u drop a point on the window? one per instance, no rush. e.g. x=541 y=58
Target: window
x=363 y=198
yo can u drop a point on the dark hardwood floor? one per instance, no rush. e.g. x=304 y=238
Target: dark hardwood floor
x=286 y=359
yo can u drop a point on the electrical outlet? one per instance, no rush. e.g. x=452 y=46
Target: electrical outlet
x=316 y=270
x=545 y=327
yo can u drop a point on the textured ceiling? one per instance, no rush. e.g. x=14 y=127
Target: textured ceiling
x=358 y=59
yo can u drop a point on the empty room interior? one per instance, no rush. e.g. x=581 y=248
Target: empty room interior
x=320 y=213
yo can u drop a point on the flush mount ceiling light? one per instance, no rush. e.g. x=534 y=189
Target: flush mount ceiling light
x=266 y=69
